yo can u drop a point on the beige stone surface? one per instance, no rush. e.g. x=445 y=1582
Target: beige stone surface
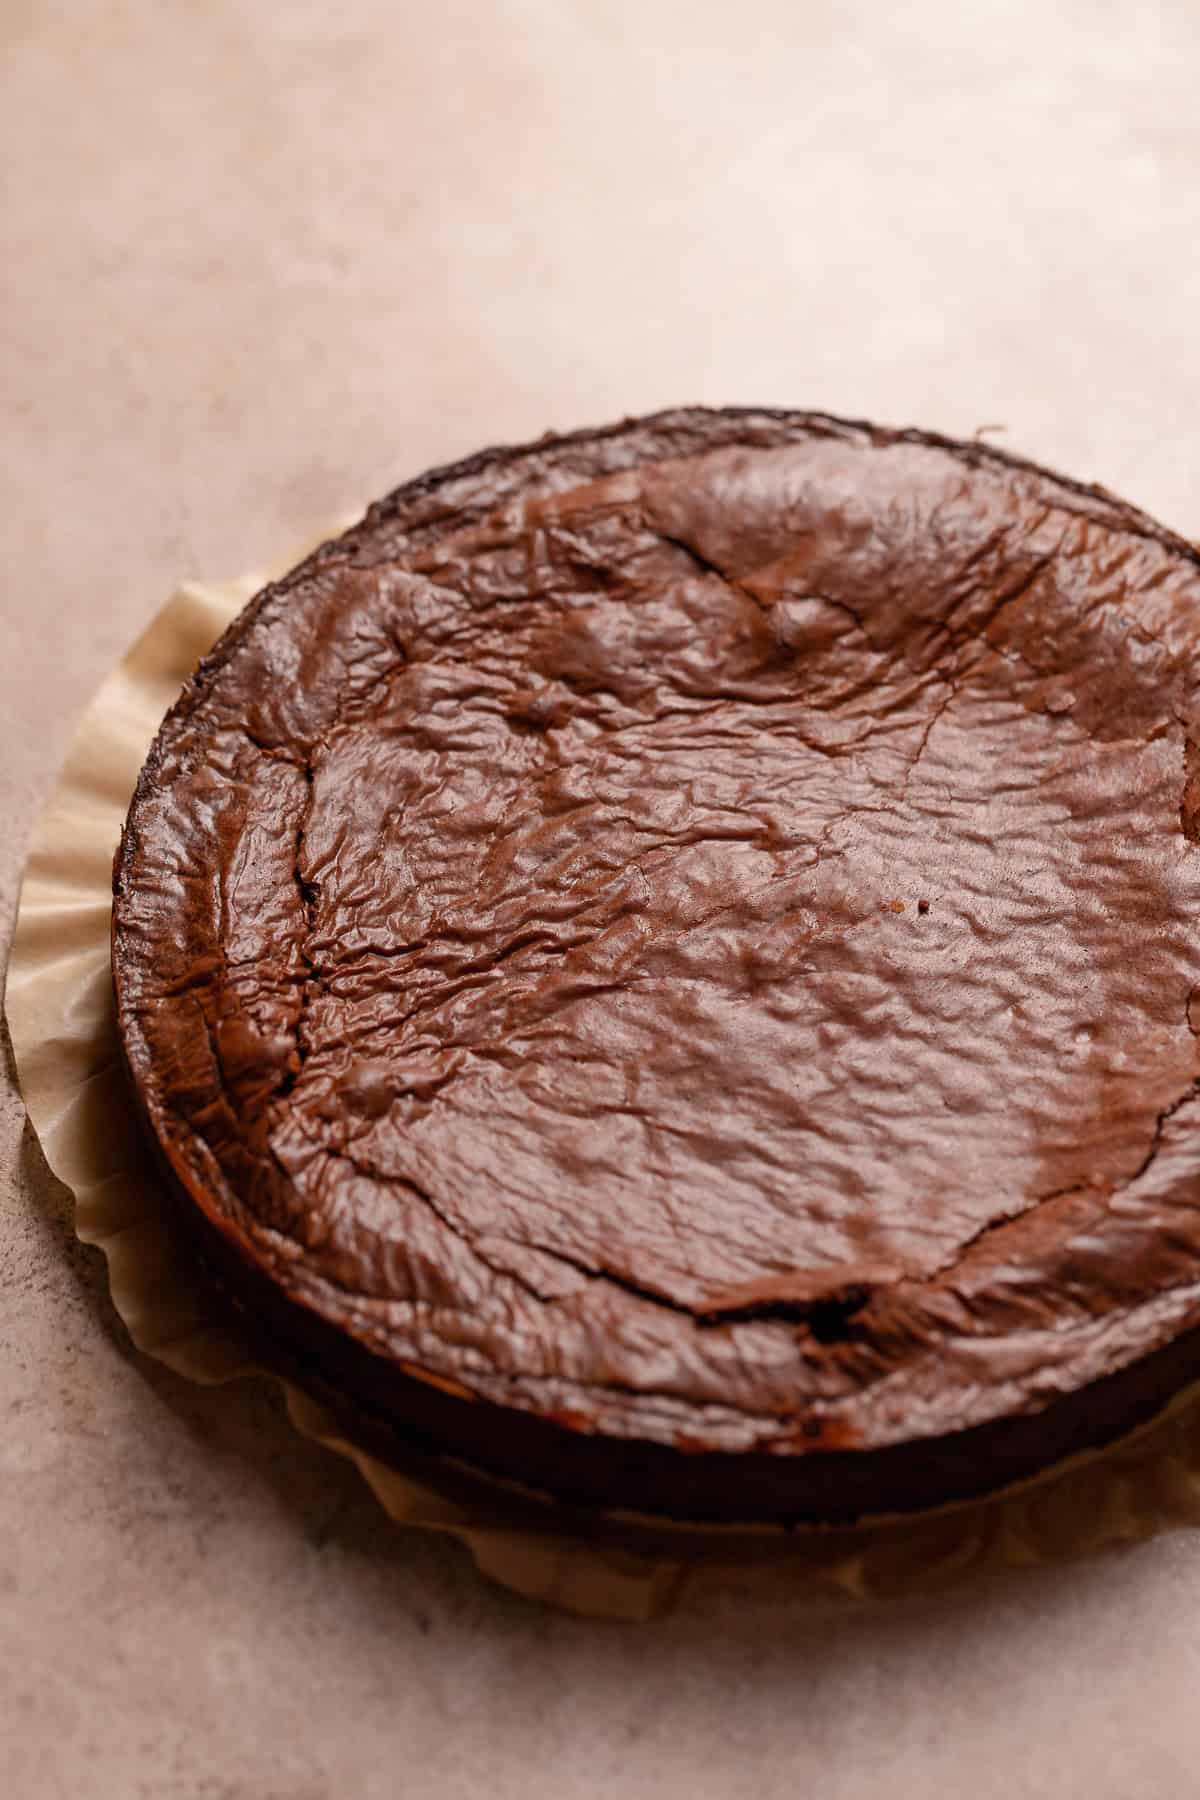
x=263 y=258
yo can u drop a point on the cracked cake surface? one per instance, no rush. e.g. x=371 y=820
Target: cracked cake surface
x=666 y=959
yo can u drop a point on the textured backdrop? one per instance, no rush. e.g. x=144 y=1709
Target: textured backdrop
x=259 y=263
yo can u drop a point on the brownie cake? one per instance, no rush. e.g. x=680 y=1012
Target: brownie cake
x=664 y=965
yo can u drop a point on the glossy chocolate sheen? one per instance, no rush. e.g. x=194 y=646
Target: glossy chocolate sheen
x=665 y=962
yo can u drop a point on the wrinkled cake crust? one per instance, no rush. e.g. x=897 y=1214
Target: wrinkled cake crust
x=688 y=932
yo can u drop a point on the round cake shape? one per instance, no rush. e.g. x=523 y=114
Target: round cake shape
x=661 y=963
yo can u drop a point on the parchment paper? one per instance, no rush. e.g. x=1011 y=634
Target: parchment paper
x=59 y=1006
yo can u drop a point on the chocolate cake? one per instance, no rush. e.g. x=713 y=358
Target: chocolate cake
x=663 y=965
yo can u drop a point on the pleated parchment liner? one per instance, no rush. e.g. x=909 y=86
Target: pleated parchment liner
x=59 y=1005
